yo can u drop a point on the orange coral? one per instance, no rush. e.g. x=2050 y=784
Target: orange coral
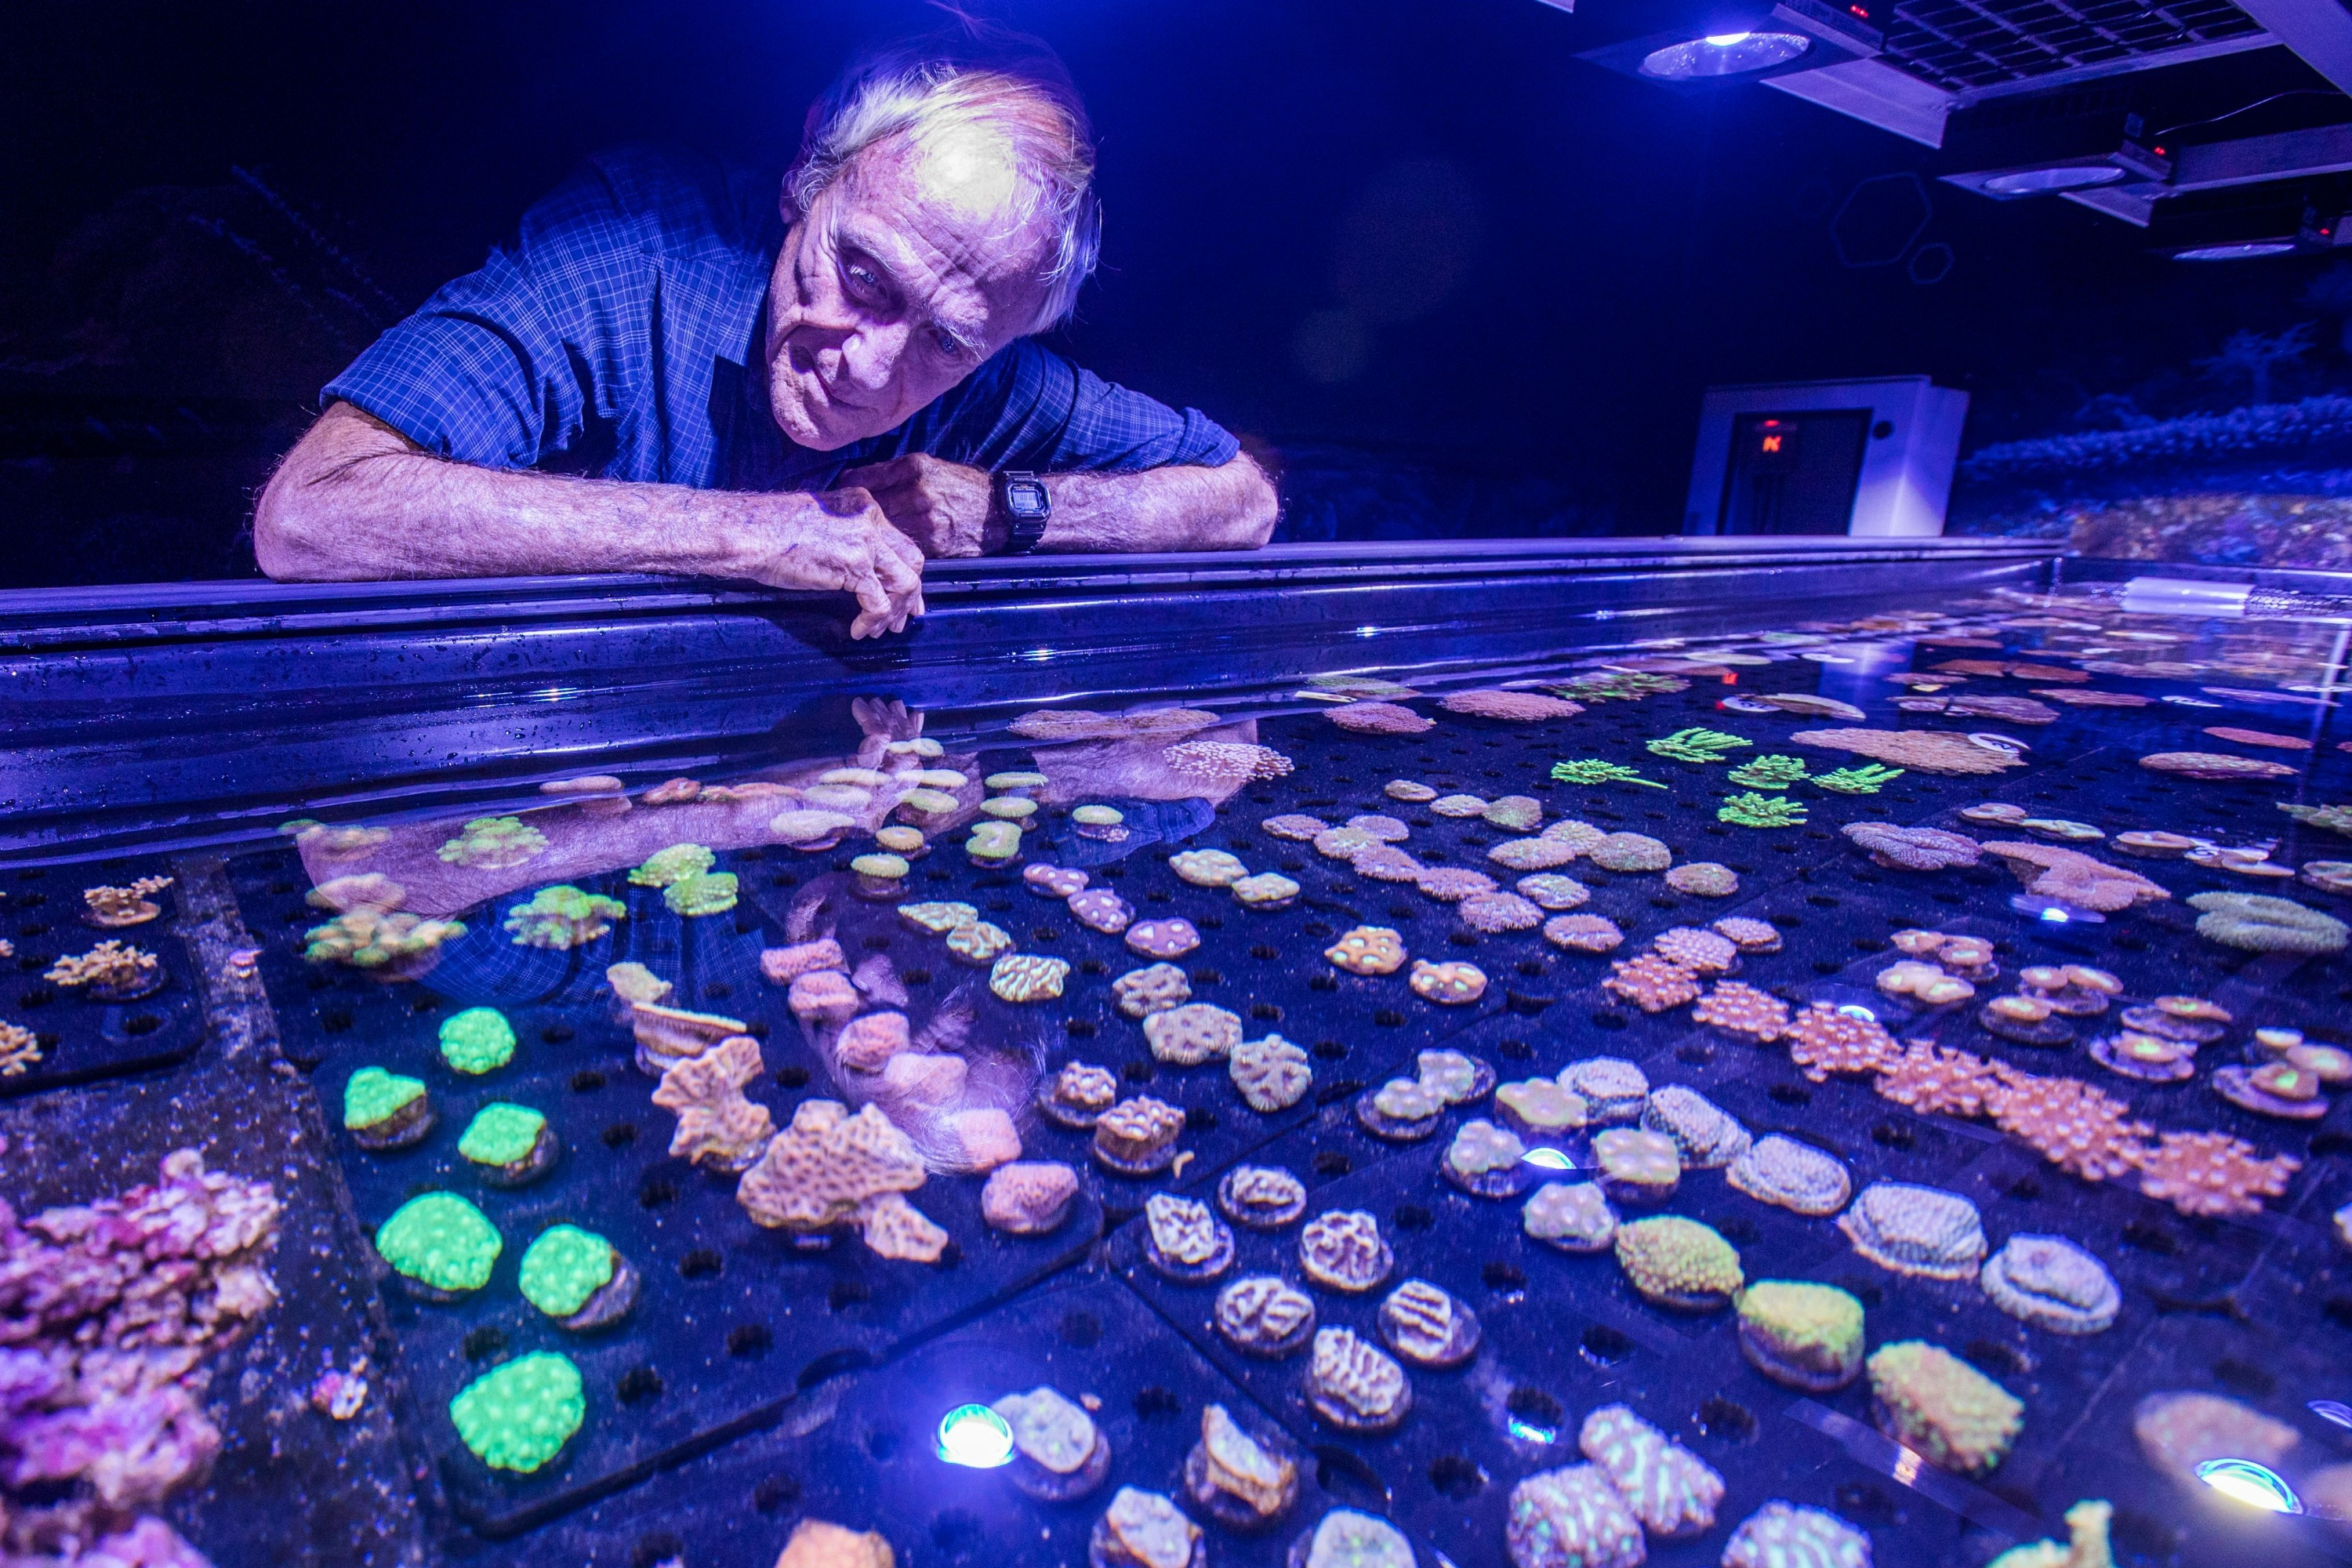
x=1651 y=981
x=2212 y=1174
x=2079 y=1129
x=1935 y=1082
x=1823 y=1041
x=1742 y=1009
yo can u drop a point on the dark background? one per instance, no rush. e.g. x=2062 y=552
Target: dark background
x=1460 y=281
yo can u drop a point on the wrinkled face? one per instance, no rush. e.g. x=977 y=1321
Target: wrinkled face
x=900 y=280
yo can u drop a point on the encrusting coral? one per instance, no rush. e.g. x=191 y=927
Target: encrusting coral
x=1927 y=751
x=2071 y=877
x=107 y=1313
x=830 y=1168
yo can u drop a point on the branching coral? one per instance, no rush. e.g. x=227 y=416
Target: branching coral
x=113 y=969
x=371 y=939
x=563 y=917
x=1752 y=810
x=1594 y=771
x=108 y=1311
x=1696 y=745
x=131 y=906
x=494 y=844
x=1865 y=780
x=19 y=1048
x=1772 y=772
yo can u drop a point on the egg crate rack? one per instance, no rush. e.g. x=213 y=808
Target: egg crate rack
x=82 y=1039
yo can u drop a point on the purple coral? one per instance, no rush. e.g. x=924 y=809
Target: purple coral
x=1912 y=848
x=107 y=1312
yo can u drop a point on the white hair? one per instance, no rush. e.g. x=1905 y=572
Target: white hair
x=921 y=95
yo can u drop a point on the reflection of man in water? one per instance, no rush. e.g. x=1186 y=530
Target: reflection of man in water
x=673 y=371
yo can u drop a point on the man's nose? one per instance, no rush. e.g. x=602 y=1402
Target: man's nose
x=869 y=356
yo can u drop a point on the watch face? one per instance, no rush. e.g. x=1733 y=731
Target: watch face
x=1025 y=498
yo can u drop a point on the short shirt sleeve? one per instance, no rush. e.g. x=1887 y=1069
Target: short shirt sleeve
x=1115 y=429
x=506 y=366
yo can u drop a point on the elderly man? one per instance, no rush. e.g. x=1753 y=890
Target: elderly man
x=668 y=373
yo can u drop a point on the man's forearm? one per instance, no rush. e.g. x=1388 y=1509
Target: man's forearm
x=355 y=501
x=1230 y=508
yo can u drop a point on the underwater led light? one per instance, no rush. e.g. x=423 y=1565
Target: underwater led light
x=1724 y=54
x=1551 y=1159
x=2256 y=1486
x=1856 y=1010
x=1527 y=1432
x=2056 y=915
x=976 y=1437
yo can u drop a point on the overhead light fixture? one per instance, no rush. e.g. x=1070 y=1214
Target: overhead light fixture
x=2256 y=1486
x=2245 y=223
x=1724 y=54
x=2048 y=144
x=1696 y=43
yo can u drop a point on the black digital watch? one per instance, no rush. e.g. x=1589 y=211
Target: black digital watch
x=1025 y=505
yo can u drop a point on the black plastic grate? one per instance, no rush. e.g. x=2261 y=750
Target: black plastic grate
x=1965 y=44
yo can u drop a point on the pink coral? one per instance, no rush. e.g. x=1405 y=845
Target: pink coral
x=1520 y=707
x=1379 y=719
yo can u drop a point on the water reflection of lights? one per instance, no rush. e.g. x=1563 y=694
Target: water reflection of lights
x=1551 y=1159
x=976 y=1437
x=2256 y=1486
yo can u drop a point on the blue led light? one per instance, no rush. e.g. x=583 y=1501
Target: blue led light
x=2055 y=915
x=1551 y=1159
x=1856 y=1010
x=2333 y=1410
x=2256 y=1486
x=976 y=1437
x=1526 y=1432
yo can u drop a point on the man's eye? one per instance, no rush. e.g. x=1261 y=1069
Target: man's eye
x=862 y=279
x=947 y=343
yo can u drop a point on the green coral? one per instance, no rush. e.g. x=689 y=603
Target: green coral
x=1593 y=770
x=441 y=1240
x=675 y=864
x=370 y=939
x=2256 y=922
x=2334 y=819
x=565 y=1266
x=890 y=868
x=1696 y=745
x=1621 y=686
x=1774 y=772
x=710 y=893
x=477 y=1040
x=494 y=844
x=993 y=841
x=1761 y=811
x=518 y=1417
x=502 y=1134
x=563 y=917
x=1867 y=780
x=375 y=1096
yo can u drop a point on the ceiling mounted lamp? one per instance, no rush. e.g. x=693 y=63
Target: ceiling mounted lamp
x=2246 y=223
x=2050 y=143
x=1697 y=43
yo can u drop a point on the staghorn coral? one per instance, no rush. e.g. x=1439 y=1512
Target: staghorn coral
x=1594 y=771
x=2212 y=1173
x=112 y=969
x=1924 y=751
x=2071 y=877
x=1752 y=810
x=1695 y=745
x=830 y=1168
x=129 y=906
x=108 y=1311
x=1772 y=772
x=19 y=1048
x=1823 y=1040
x=563 y=917
x=1868 y=779
x=494 y=844
x=717 y=1126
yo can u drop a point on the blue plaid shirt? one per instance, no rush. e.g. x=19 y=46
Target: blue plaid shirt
x=620 y=336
